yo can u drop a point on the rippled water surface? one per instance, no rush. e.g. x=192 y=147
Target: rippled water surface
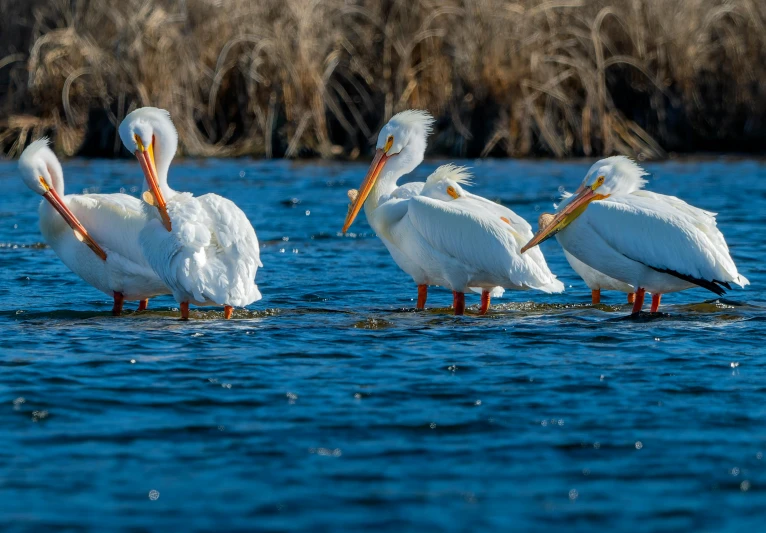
x=332 y=405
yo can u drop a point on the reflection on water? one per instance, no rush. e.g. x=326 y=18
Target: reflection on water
x=334 y=404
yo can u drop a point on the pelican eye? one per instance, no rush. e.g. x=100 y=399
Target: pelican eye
x=389 y=143
x=598 y=183
x=452 y=192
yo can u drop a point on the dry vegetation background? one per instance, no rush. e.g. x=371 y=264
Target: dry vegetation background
x=296 y=78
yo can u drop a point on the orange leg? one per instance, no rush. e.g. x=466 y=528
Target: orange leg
x=119 y=299
x=458 y=302
x=185 y=310
x=656 y=302
x=631 y=297
x=422 y=295
x=595 y=296
x=227 y=311
x=143 y=304
x=639 y=304
x=485 y=296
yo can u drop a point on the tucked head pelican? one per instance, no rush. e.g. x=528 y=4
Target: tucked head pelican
x=203 y=248
x=650 y=241
x=106 y=255
x=41 y=171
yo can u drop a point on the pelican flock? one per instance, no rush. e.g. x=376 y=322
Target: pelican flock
x=204 y=251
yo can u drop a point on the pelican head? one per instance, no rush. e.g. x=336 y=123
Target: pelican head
x=445 y=183
x=149 y=133
x=613 y=176
x=41 y=171
x=401 y=147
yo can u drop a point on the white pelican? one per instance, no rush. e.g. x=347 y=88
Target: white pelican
x=656 y=243
x=203 y=248
x=458 y=244
x=107 y=256
x=595 y=280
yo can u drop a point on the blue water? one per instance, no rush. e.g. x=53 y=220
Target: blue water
x=331 y=405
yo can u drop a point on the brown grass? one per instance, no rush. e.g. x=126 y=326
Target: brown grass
x=319 y=77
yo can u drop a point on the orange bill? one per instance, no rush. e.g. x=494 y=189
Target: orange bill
x=79 y=231
x=364 y=189
x=564 y=217
x=145 y=157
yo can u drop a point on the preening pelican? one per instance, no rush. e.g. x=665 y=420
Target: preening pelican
x=457 y=244
x=203 y=248
x=595 y=280
x=107 y=254
x=656 y=243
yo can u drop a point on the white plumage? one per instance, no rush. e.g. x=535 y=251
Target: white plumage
x=455 y=240
x=95 y=235
x=210 y=254
x=655 y=243
x=479 y=240
x=595 y=280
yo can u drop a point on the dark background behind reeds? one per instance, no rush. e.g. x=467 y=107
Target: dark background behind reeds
x=295 y=78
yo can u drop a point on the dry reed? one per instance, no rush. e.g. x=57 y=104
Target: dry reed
x=319 y=77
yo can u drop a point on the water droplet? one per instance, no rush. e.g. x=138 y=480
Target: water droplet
x=226 y=385
x=639 y=445
x=432 y=425
x=241 y=173
x=744 y=486
x=154 y=495
x=544 y=423
x=734 y=471
x=132 y=361
x=573 y=494
x=734 y=364
x=758 y=455
x=358 y=396
x=477 y=402
x=597 y=445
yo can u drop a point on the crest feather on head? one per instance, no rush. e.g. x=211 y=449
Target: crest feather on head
x=415 y=117
x=35 y=147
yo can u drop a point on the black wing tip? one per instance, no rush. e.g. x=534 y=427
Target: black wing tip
x=714 y=286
